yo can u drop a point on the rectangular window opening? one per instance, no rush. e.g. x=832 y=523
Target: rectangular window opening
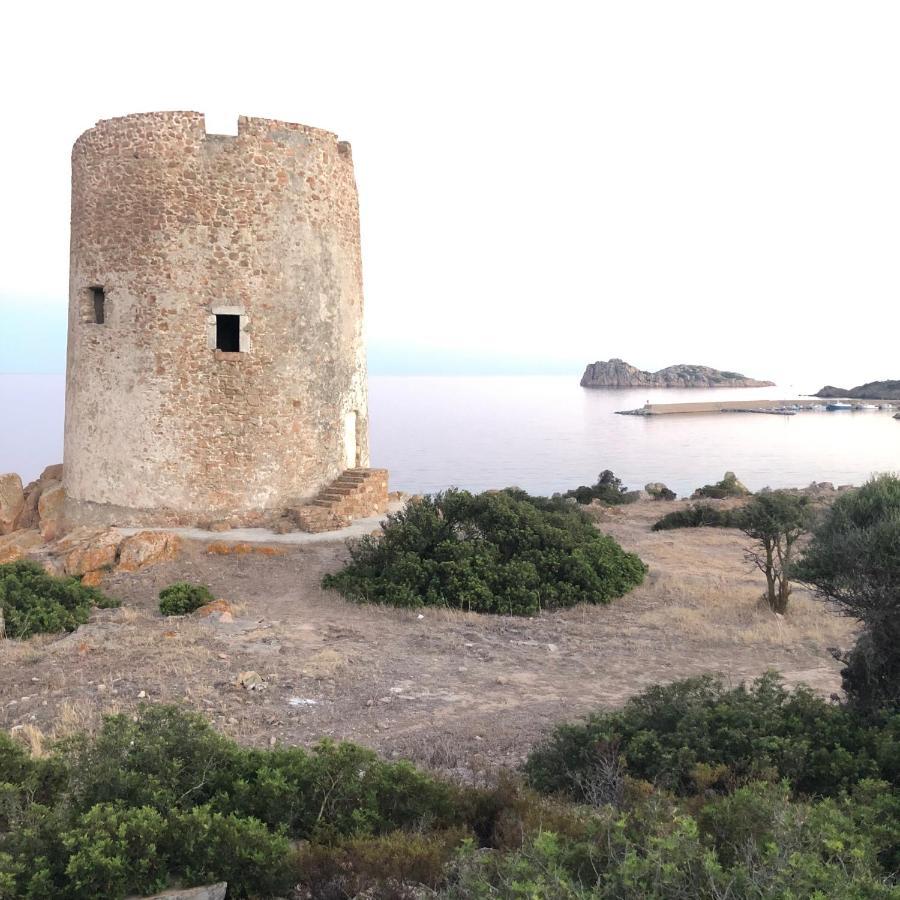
x=228 y=333
x=98 y=304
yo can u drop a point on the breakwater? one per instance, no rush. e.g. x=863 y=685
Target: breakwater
x=774 y=407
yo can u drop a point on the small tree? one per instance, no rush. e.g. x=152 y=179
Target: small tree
x=775 y=520
x=854 y=561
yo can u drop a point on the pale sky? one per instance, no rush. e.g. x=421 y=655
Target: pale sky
x=541 y=185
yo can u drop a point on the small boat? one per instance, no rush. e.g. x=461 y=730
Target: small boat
x=833 y=407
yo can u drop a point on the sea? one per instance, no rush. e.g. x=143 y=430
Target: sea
x=544 y=434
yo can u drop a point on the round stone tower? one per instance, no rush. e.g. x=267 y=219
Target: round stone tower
x=215 y=357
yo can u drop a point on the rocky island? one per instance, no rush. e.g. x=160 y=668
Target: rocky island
x=616 y=373
x=872 y=390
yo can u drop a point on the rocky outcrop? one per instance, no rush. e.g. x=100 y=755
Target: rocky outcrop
x=12 y=501
x=872 y=390
x=17 y=545
x=146 y=548
x=616 y=373
x=208 y=892
x=656 y=490
x=729 y=486
x=51 y=505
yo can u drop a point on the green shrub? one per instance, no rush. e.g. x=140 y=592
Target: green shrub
x=498 y=552
x=699 y=515
x=33 y=601
x=678 y=734
x=209 y=846
x=182 y=598
x=729 y=486
x=608 y=490
x=161 y=795
x=336 y=790
x=173 y=759
x=853 y=560
x=113 y=851
x=163 y=758
x=161 y=798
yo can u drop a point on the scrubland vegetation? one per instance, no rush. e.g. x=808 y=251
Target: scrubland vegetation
x=182 y=598
x=498 y=552
x=692 y=790
x=32 y=602
x=695 y=789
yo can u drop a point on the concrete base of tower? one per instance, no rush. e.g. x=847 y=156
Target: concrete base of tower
x=356 y=493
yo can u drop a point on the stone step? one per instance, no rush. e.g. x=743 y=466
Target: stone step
x=353 y=494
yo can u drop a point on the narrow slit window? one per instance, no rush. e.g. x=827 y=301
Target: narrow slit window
x=98 y=304
x=228 y=333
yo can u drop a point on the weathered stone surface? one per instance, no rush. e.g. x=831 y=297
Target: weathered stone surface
x=50 y=511
x=216 y=606
x=98 y=552
x=616 y=373
x=147 y=548
x=28 y=517
x=93 y=579
x=16 y=545
x=12 y=501
x=209 y=892
x=250 y=681
x=52 y=473
x=179 y=227
x=240 y=548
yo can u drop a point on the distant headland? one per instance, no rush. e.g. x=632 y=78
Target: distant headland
x=872 y=390
x=616 y=373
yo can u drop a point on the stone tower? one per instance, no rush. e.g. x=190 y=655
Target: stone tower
x=215 y=351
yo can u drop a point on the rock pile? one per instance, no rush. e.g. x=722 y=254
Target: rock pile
x=32 y=527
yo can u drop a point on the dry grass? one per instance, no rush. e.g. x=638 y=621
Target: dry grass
x=717 y=611
x=31 y=737
x=702 y=587
x=75 y=717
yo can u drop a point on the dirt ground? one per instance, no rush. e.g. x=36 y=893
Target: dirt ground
x=449 y=690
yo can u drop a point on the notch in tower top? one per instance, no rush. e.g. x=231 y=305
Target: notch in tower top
x=220 y=124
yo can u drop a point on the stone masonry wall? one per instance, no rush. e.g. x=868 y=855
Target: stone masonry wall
x=175 y=225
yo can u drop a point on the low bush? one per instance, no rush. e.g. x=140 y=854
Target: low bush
x=699 y=515
x=209 y=846
x=729 y=486
x=700 y=733
x=498 y=552
x=351 y=867
x=182 y=598
x=608 y=490
x=33 y=601
x=755 y=843
x=160 y=798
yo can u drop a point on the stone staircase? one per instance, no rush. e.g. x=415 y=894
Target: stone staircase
x=354 y=494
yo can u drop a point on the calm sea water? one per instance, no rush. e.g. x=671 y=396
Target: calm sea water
x=544 y=434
